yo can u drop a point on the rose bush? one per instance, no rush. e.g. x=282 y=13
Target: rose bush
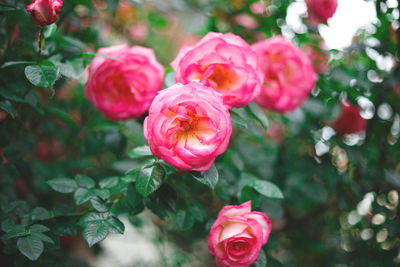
x=224 y=62
x=288 y=74
x=237 y=236
x=44 y=12
x=123 y=81
x=321 y=10
x=188 y=126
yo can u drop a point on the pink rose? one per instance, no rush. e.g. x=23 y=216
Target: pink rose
x=288 y=74
x=238 y=234
x=188 y=126
x=224 y=62
x=350 y=120
x=246 y=21
x=321 y=10
x=44 y=12
x=123 y=86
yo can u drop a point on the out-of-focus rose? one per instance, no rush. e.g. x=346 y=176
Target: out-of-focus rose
x=139 y=32
x=126 y=11
x=350 y=120
x=319 y=58
x=288 y=74
x=188 y=126
x=258 y=7
x=124 y=85
x=238 y=234
x=320 y=11
x=48 y=150
x=224 y=62
x=3 y=115
x=276 y=131
x=396 y=89
x=246 y=21
x=44 y=12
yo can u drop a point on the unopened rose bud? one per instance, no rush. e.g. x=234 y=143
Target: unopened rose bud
x=44 y=12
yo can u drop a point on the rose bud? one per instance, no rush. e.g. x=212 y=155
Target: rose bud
x=320 y=11
x=237 y=236
x=350 y=120
x=44 y=12
x=188 y=126
x=288 y=74
x=224 y=62
x=123 y=85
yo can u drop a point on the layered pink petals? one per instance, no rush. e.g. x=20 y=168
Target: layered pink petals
x=44 y=12
x=224 y=62
x=238 y=234
x=321 y=10
x=123 y=81
x=350 y=120
x=188 y=126
x=288 y=74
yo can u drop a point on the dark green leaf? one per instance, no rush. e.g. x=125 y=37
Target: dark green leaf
x=109 y=182
x=139 y=152
x=184 y=220
x=12 y=63
x=209 y=177
x=99 y=205
x=91 y=218
x=9 y=108
x=31 y=247
x=16 y=231
x=40 y=213
x=263 y=187
x=149 y=179
x=102 y=193
x=115 y=225
x=94 y=233
x=43 y=237
x=197 y=210
x=63 y=185
x=49 y=30
x=82 y=195
x=42 y=75
x=262 y=260
x=84 y=181
x=38 y=228
x=254 y=110
x=237 y=119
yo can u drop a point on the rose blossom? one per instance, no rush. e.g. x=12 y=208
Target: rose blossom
x=44 y=12
x=350 y=120
x=321 y=10
x=319 y=58
x=224 y=62
x=236 y=237
x=288 y=74
x=188 y=126
x=124 y=86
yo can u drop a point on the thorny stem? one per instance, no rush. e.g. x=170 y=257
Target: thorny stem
x=40 y=42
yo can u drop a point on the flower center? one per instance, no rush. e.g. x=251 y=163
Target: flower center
x=223 y=77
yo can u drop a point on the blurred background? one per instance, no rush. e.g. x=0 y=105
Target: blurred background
x=341 y=185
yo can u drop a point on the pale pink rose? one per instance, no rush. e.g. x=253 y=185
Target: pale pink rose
x=224 y=62
x=139 y=32
x=320 y=11
x=44 y=12
x=188 y=126
x=288 y=74
x=237 y=236
x=123 y=81
x=246 y=21
x=258 y=8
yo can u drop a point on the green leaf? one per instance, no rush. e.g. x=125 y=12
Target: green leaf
x=109 y=182
x=102 y=193
x=43 y=237
x=149 y=179
x=84 y=181
x=197 y=210
x=140 y=152
x=72 y=68
x=95 y=233
x=99 y=205
x=40 y=213
x=262 y=260
x=16 y=231
x=263 y=187
x=13 y=63
x=63 y=185
x=31 y=247
x=91 y=218
x=209 y=177
x=255 y=111
x=115 y=225
x=38 y=228
x=11 y=96
x=42 y=75
x=184 y=220
x=9 y=108
x=50 y=30
x=82 y=195
x=237 y=119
